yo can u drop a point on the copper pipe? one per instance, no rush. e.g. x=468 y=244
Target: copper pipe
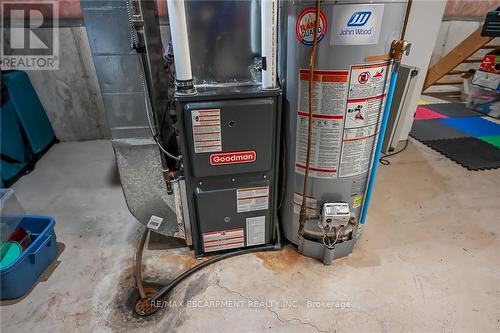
x=312 y=63
x=407 y=17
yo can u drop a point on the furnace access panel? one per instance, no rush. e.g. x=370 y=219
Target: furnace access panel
x=230 y=155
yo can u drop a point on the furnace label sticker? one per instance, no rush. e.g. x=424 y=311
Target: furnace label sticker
x=306 y=23
x=223 y=240
x=207 y=136
x=154 y=222
x=368 y=87
x=311 y=204
x=356 y=24
x=252 y=199
x=329 y=101
x=256 y=230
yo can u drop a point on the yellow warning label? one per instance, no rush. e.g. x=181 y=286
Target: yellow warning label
x=358 y=200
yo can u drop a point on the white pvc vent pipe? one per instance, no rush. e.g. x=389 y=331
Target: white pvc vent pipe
x=178 y=31
x=269 y=31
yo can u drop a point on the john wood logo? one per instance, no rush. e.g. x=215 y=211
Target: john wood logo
x=359 y=19
x=29 y=38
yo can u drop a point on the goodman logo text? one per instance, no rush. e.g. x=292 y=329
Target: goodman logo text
x=235 y=157
x=356 y=23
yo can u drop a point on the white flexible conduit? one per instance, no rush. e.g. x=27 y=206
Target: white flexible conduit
x=178 y=31
x=269 y=31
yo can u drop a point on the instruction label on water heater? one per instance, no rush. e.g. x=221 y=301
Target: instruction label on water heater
x=368 y=85
x=311 y=204
x=329 y=95
x=207 y=136
x=356 y=24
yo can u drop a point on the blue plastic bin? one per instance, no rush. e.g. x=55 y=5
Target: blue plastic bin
x=17 y=278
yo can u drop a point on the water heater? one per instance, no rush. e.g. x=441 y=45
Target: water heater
x=350 y=85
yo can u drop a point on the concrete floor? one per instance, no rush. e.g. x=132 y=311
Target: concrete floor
x=428 y=259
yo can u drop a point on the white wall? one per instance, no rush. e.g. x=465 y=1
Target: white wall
x=422 y=31
x=452 y=33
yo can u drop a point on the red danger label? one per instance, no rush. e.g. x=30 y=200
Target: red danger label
x=235 y=157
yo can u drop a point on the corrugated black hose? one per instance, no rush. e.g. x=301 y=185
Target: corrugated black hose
x=165 y=290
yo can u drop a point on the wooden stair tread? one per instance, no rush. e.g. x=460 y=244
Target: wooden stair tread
x=463 y=53
x=457 y=72
x=449 y=82
x=472 y=60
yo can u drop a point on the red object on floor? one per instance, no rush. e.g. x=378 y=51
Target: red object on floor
x=22 y=237
x=426 y=114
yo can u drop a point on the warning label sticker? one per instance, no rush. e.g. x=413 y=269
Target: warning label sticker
x=358 y=188
x=223 y=240
x=256 y=230
x=357 y=150
x=363 y=112
x=357 y=201
x=368 y=81
x=206 y=130
x=311 y=204
x=329 y=95
x=252 y=199
x=368 y=87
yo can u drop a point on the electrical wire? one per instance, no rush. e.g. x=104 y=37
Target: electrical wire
x=151 y=129
x=134 y=43
x=312 y=63
x=331 y=246
x=384 y=161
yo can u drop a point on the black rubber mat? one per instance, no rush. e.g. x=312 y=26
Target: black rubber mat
x=471 y=153
x=453 y=110
x=425 y=130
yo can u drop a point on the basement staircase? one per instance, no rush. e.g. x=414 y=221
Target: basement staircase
x=447 y=72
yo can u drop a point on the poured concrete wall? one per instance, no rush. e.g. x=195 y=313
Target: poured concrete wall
x=71 y=95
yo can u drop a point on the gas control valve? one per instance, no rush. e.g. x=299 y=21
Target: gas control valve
x=335 y=214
